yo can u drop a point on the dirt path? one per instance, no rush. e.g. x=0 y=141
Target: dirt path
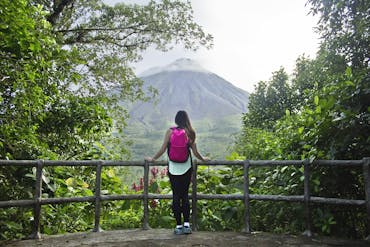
x=165 y=237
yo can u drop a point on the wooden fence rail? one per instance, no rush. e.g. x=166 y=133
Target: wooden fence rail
x=306 y=198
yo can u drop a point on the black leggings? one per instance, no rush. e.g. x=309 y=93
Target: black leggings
x=180 y=189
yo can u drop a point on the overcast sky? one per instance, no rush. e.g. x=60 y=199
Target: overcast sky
x=252 y=39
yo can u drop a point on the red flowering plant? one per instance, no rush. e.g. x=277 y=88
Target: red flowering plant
x=160 y=209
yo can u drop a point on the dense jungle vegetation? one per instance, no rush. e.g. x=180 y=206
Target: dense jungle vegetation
x=58 y=59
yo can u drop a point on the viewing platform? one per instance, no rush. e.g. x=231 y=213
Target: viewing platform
x=148 y=236
x=166 y=237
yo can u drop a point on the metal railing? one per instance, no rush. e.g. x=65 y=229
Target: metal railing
x=306 y=198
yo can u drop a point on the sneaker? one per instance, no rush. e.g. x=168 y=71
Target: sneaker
x=179 y=231
x=187 y=230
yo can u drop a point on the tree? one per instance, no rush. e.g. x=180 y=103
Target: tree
x=344 y=28
x=60 y=61
x=344 y=25
x=108 y=39
x=269 y=102
x=60 y=58
x=330 y=120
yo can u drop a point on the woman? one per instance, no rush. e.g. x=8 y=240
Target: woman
x=180 y=173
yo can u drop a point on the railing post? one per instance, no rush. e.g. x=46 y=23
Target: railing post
x=366 y=168
x=246 y=197
x=307 y=211
x=98 y=197
x=194 y=198
x=145 y=199
x=37 y=207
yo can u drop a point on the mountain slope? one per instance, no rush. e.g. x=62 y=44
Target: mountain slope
x=184 y=86
x=214 y=106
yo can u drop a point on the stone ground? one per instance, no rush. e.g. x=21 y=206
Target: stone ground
x=165 y=237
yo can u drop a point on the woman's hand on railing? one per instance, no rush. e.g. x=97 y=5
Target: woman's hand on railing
x=205 y=159
x=149 y=159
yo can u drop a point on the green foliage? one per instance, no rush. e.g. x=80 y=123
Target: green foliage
x=327 y=119
x=122 y=215
x=16 y=223
x=58 y=60
x=269 y=102
x=216 y=215
x=277 y=217
x=38 y=103
x=344 y=25
x=331 y=126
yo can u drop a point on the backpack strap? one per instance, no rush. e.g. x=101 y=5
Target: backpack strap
x=168 y=144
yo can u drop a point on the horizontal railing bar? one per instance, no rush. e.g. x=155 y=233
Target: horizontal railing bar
x=71 y=162
x=122 y=197
x=93 y=163
x=123 y=163
x=16 y=203
x=258 y=197
x=337 y=201
x=220 y=162
x=220 y=196
x=135 y=197
x=164 y=163
x=338 y=162
x=62 y=200
x=276 y=162
x=270 y=162
x=18 y=162
x=252 y=162
x=298 y=198
x=161 y=196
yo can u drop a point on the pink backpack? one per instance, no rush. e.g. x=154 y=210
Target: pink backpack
x=178 y=147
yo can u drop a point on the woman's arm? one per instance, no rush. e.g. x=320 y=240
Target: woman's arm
x=163 y=147
x=197 y=154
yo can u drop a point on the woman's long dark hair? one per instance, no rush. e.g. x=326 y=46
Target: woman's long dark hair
x=182 y=120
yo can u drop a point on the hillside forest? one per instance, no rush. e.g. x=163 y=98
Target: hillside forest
x=59 y=58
